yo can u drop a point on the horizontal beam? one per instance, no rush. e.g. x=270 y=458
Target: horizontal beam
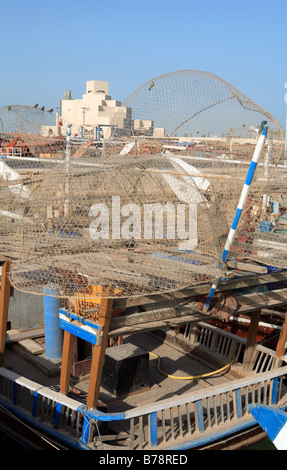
x=157 y=325
x=235 y=283
x=189 y=313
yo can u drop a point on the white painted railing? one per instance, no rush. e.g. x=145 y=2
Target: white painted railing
x=226 y=346
x=223 y=345
x=44 y=404
x=186 y=420
x=193 y=417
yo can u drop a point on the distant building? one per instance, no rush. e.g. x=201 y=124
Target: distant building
x=96 y=115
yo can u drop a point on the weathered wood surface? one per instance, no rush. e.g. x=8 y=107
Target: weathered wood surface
x=190 y=312
x=14 y=336
x=252 y=302
x=203 y=289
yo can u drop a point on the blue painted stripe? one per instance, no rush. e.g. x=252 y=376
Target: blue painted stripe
x=199 y=415
x=224 y=255
x=250 y=173
x=100 y=416
x=35 y=404
x=58 y=415
x=78 y=331
x=262 y=127
x=236 y=219
x=79 y=318
x=211 y=293
x=153 y=429
x=274 y=391
x=238 y=402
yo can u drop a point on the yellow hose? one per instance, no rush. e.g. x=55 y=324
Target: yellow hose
x=191 y=377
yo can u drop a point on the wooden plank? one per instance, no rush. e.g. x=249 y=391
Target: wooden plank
x=230 y=284
x=32 y=346
x=281 y=345
x=99 y=354
x=153 y=319
x=252 y=302
x=156 y=325
x=255 y=268
x=67 y=358
x=154 y=315
x=13 y=336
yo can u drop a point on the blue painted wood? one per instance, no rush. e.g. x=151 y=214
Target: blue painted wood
x=238 y=402
x=76 y=330
x=82 y=328
x=57 y=415
x=274 y=391
x=84 y=321
x=153 y=429
x=35 y=404
x=199 y=415
x=273 y=421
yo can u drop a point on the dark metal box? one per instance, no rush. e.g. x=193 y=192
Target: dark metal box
x=126 y=370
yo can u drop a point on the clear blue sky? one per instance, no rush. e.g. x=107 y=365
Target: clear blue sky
x=50 y=46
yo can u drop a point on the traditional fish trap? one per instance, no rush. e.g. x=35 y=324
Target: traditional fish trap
x=153 y=217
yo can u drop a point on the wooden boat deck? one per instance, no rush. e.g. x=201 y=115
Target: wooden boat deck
x=173 y=361
x=26 y=356
x=170 y=411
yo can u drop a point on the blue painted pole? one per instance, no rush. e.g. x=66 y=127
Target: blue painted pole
x=53 y=332
x=258 y=149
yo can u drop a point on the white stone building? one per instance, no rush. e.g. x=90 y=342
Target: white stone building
x=96 y=115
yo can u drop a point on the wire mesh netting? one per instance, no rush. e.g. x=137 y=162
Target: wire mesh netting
x=150 y=209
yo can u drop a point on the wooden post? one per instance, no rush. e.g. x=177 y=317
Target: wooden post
x=281 y=345
x=251 y=340
x=99 y=354
x=4 y=304
x=67 y=358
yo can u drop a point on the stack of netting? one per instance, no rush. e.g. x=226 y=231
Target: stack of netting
x=155 y=217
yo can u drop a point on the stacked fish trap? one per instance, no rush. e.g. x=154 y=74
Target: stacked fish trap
x=151 y=210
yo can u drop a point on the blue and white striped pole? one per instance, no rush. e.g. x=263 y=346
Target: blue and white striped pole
x=68 y=166
x=258 y=149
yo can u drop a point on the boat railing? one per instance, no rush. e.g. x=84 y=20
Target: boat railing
x=223 y=345
x=226 y=347
x=191 y=419
x=185 y=420
x=27 y=398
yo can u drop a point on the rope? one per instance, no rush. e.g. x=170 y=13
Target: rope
x=191 y=377
x=91 y=422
